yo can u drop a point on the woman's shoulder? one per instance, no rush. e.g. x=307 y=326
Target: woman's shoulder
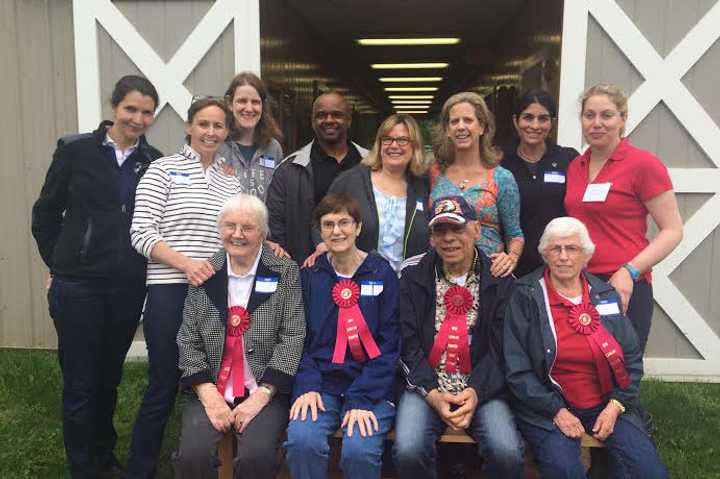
x=348 y=180
x=280 y=264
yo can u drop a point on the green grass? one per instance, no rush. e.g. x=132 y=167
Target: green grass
x=687 y=416
x=31 y=441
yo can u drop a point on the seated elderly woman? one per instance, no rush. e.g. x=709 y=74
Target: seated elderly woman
x=347 y=372
x=573 y=362
x=240 y=344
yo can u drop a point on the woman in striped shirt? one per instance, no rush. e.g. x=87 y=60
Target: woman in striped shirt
x=175 y=227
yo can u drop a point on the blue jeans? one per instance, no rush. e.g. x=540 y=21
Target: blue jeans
x=418 y=428
x=308 y=449
x=95 y=322
x=631 y=453
x=163 y=316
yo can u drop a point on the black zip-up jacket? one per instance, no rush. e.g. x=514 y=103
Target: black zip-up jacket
x=357 y=183
x=80 y=222
x=417 y=323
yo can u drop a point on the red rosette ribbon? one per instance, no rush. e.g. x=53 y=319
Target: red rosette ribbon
x=233 y=360
x=453 y=335
x=584 y=318
x=352 y=330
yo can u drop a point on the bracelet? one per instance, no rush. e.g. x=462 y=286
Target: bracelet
x=634 y=272
x=268 y=389
x=618 y=405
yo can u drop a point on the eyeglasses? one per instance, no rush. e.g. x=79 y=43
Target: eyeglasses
x=400 y=140
x=343 y=224
x=245 y=230
x=570 y=250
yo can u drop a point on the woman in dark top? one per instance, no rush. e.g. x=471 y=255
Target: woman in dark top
x=81 y=223
x=539 y=167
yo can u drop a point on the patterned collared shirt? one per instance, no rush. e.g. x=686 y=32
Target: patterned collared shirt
x=455 y=382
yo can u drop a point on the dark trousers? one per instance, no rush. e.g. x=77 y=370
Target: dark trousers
x=95 y=322
x=162 y=319
x=196 y=457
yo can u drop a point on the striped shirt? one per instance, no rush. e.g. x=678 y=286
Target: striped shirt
x=178 y=203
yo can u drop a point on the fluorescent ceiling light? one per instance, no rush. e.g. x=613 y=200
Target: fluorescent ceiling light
x=406 y=66
x=410 y=112
x=373 y=42
x=411 y=102
x=411 y=97
x=409 y=79
x=411 y=88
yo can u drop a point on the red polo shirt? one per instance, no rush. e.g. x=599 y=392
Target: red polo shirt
x=618 y=225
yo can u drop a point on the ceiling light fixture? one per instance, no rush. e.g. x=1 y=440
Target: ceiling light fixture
x=411 y=88
x=409 y=79
x=411 y=97
x=411 y=102
x=410 y=112
x=375 y=42
x=407 y=66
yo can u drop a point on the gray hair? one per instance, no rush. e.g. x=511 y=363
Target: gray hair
x=248 y=204
x=564 y=227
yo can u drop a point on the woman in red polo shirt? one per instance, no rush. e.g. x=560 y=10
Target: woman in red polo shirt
x=611 y=188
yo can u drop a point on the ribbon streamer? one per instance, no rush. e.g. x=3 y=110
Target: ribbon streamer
x=453 y=335
x=352 y=330
x=233 y=360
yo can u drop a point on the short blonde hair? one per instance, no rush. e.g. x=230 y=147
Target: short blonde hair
x=444 y=148
x=418 y=166
x=613 y=92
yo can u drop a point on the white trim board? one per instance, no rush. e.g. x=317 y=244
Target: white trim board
x=662 y=82
x=167 y=77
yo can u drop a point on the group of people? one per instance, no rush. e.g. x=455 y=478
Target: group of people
x=285 y=294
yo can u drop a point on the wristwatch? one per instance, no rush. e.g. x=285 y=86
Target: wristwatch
x=618 y=405
x=268 y=389
x=634 y=272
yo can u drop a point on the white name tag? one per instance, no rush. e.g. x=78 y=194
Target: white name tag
x=555 y=177
x=265 y=285
x=608 y=309
x=419 y=205
x=179 y=177
x=596 y=192
x=267 y=161
x=371 y=288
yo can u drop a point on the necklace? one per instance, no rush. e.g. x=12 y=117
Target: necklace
x=463 y=184
x=526 y=158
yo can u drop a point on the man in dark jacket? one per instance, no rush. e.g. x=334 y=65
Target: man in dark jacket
x=451 y=319
x=81 y=223
x=303 y=178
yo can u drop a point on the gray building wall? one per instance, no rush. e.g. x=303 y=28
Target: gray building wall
x=37 y=81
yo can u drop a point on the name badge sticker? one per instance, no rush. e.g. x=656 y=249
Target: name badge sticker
x=267 y=161
x=371 y=288
x=555 y=177
x=419 y=205
x=265 y=284
x=608 y=308
x=596 y=192
x=179 y=177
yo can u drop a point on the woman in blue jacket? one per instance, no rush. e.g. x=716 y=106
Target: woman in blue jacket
x=347 y=371
x=573 y=363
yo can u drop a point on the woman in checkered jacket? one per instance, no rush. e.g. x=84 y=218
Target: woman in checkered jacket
x=240 y=344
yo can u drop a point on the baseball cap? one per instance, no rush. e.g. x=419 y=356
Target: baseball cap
x=451 y=209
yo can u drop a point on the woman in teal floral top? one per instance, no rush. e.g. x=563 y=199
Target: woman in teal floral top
x=467 y=165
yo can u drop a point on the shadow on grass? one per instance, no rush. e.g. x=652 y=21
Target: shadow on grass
x=687 y=417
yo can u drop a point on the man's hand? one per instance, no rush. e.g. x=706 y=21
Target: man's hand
x=568 y=424
x=365 y=420
x=310 y=260
x=441 y=402
x=310 y=400
x=467 y=401
x=246 y=411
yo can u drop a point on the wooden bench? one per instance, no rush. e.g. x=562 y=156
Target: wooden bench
x=226 y=448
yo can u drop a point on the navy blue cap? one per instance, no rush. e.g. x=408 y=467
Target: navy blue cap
x=451 y=209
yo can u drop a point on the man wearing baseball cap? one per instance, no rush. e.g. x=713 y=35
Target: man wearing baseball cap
x=451 y=313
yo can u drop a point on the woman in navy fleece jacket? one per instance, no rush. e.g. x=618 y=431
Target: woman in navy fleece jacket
x=347 y=371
